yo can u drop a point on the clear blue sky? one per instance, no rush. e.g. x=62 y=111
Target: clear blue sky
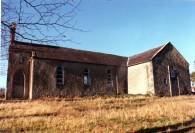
x=128 y=27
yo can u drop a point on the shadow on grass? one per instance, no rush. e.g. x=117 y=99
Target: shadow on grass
x=184 y=127
x=32 y=115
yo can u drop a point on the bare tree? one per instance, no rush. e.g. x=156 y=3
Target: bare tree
x=38 y=21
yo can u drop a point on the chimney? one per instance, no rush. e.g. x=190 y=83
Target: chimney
x=12 y=32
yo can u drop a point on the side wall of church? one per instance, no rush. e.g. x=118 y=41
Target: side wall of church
x=45 y=84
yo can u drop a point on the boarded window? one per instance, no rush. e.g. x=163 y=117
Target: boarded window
x=59 y=75
x=86 y=76
x=109 y=78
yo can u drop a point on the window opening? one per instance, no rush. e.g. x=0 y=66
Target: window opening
x=172 y=72
x=86 y=76
x=59 y=76
x=109 y=78
x=165 y=81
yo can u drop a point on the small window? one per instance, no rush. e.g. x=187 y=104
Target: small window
x=59 y=75
x=109 y=78
x=172 y=72
x=86 y=76
x=165 y=81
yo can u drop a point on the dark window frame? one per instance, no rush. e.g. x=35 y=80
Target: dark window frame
x=109 y=80
x=86 y=78
x=59 y=75
x=172 y=72
x=165 y=81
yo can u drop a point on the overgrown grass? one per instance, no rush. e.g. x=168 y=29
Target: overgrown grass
x=100 y=114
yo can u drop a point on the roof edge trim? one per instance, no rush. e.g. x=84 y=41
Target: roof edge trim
x=36 y=57
x=160 y=50
x=139 y=63
x=127 y=61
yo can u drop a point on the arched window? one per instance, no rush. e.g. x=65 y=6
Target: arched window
x=86 y=76
x=109 y=78
x=59 y=75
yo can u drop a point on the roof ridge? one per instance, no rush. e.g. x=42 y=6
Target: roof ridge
x=94 y=52
x=148 y=50
x=71 y=54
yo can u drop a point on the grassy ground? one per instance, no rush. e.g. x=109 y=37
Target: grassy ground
x=100 y=114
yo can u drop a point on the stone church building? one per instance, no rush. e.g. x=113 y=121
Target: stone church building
x=36 y=70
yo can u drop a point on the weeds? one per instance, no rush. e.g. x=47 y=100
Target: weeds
x=99 y=114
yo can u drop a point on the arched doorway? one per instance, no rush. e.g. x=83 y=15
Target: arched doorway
x=18 y=84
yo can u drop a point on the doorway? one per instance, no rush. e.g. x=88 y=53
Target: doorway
x=18 y=84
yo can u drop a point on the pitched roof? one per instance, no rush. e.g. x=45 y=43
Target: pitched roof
x=144 y=56
x=69 y=54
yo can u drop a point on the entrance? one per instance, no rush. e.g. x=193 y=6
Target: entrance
x=174 y=87
x=18 y=84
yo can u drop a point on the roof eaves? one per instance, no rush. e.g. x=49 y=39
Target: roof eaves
x=127 y=61
x=140 y=62
x=37 y=57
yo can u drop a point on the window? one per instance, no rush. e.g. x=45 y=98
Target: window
x=165 y=81
x=59 y=75
x=86 y=76
x=172 y=72
x=109 y=78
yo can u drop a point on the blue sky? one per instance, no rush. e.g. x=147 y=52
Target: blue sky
x=128 y=27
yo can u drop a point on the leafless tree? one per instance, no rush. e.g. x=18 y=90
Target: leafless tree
x=38 y=21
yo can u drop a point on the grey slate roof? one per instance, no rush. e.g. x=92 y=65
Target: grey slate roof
x=144 y=56
x=68 y=54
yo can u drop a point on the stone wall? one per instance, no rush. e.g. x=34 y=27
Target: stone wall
x=44 y=79
x=163 y=61
x=18 y=62
x=122 y=80
x=140 y=79
x=39 y=77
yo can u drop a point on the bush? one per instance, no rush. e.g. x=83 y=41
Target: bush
x=2 y=89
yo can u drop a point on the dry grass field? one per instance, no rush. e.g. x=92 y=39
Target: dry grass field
x=100 y=114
